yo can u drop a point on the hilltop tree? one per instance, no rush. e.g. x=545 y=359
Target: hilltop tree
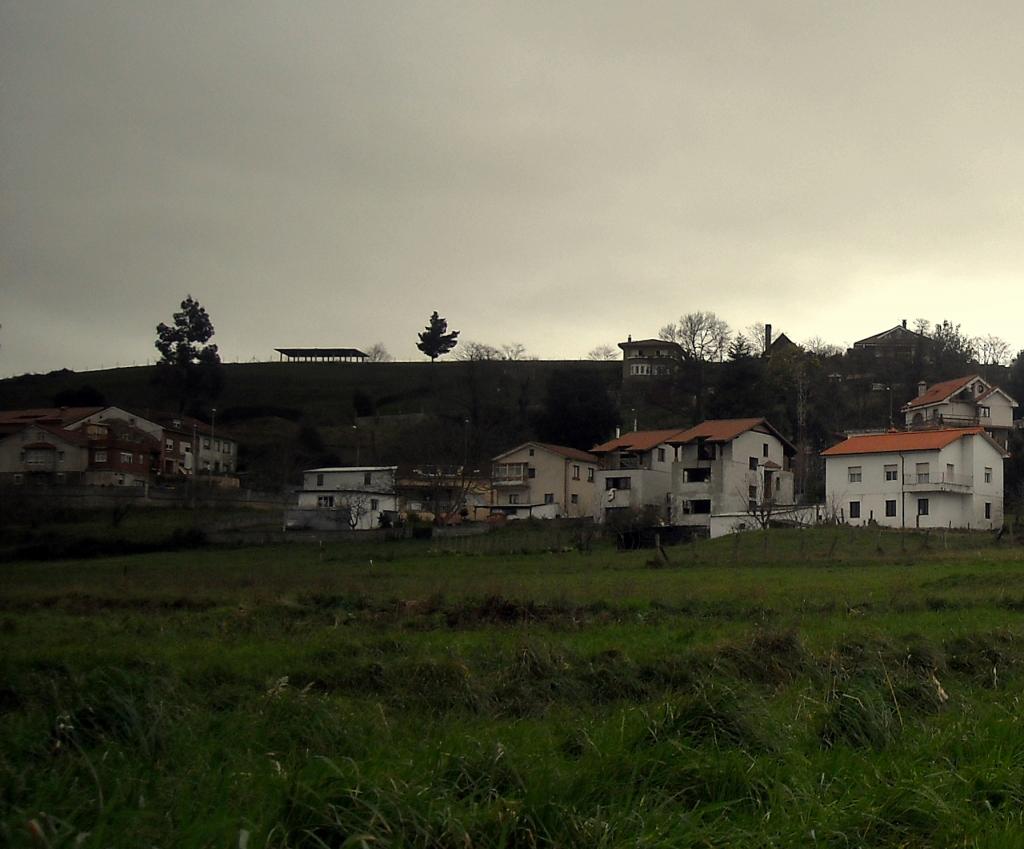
x=603 y=352
x=435 y=340
x=952 y=350
x=377 y=353
x=189 y=366
x=703 y=336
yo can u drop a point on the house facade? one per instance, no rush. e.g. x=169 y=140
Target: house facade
x=635 y=473
x=357 y=496
x=943 y=478
x=738 y=468
x=962 y=402
x=541 y=480
x=899 y=342
x=43 y=455
x=649 y=358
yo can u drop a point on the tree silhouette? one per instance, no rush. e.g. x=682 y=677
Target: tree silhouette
x=435 y=340
x=189 y=366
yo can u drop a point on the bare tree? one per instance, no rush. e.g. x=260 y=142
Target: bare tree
x=922 y=326
x=474 y=351
x=755 y=338
x=992 y=351
x=820 y=348
x=377 y=353
x=702 y=335
x=357 y=505
x=513 y=351
x=603 y=352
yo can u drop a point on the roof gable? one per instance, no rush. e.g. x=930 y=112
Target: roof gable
x=893 y=336
x=559 y=450
x=940 y=392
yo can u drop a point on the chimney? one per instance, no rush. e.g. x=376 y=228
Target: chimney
x=904 y=324
x=767 y=337
x=922 y=387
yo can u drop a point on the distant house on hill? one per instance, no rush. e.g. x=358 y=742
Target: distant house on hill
x=897 y=342
x=962 y=402
x=650 y=358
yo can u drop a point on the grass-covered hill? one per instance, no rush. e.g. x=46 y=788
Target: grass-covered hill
x=290 y=415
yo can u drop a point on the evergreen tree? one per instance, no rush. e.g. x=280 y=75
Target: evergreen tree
x=435 y=340
x=189 y=366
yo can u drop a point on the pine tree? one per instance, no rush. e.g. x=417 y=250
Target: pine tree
x=435 y=340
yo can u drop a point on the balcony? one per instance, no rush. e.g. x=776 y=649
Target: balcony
x=945 y=421
x=938 y=483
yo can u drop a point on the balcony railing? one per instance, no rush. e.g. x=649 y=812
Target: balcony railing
x=945 y=421
x=938 y=483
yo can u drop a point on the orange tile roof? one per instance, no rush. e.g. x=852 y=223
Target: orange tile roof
x=638 y=440
x=896 y=441
x=566 y=451
x=713 y=430
x=940 y=392
x=718 y=430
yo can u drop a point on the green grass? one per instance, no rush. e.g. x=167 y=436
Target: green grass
x=864 y=692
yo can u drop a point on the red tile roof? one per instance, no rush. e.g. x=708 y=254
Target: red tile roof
x=896 y=441
x=571 y=453
x=61 y=415
x=940 y=392
x=638 y=440
x=713 y=430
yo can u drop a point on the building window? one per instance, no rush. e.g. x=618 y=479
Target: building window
x=367 y=478
x=325 y=501
x=186 y=447
x=531 y=452
x=590 y=474
x=531 y=472
x=60 y=456
x=61 y=477
x=751 y=506
x=100 y=457
x=575 y=473
x=374 y=504
x=752 y=492
x=206 y=443
x=227 y=447
x=890 y=508
x=319 y=480
x=988 y=474
x=513 y=498
x=891 y=472
x=923 y=476
x=574 y=498
x=661 y=455
x=984 y=412
x=922 y=507
x=549 y=498
x=988 y=509
x=617 y=483
x=854 y=509
x=168 y=444
x=854 y=474
x=18 y=479
x=753 y=464
x=764 y=449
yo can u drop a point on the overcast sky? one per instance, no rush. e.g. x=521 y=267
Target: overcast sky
x=555 y=174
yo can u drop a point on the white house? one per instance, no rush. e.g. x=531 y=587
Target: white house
x=636 y=472
x=733 y=470
x=951 y=477
x=962 y=402
x=541 y=480
x=357 y=494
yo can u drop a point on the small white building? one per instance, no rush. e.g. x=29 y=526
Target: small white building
x=942 y=478
x=962 y=402
x=738 y=468
x=359 y=495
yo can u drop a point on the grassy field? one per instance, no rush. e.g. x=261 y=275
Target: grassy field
x=809 y=688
